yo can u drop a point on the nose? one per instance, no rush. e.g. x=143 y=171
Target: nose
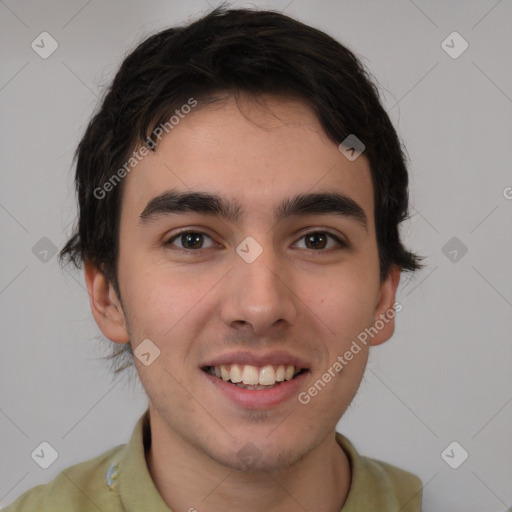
x=260 y=294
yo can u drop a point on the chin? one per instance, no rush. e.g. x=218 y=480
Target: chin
x=250 y=459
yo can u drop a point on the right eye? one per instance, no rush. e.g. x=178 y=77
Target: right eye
x=190 y=240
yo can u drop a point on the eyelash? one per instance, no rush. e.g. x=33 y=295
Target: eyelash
x=340 y=242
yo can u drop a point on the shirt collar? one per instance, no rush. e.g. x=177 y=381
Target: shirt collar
x=136 y=487
x=137 y=490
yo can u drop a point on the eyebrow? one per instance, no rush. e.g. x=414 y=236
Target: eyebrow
x=323 y=203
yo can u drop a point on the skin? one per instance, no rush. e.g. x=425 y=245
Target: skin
x=312 y=302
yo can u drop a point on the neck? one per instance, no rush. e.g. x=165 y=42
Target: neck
x=187 y=479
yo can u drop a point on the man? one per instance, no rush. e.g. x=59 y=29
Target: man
x=240 y=192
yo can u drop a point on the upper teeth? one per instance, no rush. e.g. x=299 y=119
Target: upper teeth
x=254 y=375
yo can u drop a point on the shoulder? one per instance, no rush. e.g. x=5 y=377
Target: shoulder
x=377 y=485
x=405 y=487
x=81 y=488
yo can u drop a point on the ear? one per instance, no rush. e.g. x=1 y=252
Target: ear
x=384 y=317
x=105 y=305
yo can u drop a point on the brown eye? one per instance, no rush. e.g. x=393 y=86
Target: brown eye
x=189 y=240
x=318 y=240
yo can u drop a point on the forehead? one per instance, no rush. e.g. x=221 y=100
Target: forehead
x=254 y=152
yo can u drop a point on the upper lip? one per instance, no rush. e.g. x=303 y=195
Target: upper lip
x=257 y=359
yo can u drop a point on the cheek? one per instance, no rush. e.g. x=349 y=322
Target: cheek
x=344 y=301
x=161 y=303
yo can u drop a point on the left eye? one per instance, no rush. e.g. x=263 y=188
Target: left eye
x=320 y=240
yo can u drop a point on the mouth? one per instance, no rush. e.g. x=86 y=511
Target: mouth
x=251 y=377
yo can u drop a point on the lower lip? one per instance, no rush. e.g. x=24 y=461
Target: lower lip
x=258 y=398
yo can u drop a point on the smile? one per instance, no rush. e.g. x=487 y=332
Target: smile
x=254 y=377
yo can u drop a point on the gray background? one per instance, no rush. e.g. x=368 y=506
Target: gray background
x=445 y=376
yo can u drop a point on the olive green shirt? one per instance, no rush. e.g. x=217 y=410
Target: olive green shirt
x=119 y=481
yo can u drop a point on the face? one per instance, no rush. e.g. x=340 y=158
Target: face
x=245 y=282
